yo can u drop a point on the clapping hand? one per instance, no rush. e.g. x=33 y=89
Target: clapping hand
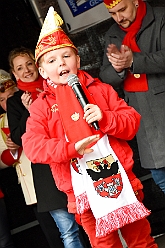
x=120 y=59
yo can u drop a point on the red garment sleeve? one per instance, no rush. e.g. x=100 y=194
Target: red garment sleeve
x=119 y=119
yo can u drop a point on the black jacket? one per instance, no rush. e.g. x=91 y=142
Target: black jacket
x=48 y=196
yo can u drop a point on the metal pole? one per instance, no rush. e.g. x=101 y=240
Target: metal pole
x=37 y=11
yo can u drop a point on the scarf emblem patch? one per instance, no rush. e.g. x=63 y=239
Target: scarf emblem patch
x=75 y=165
x=105 y=175
x=75 y=116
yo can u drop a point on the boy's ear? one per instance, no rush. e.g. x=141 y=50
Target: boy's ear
x=42 y=72
x=78 y=62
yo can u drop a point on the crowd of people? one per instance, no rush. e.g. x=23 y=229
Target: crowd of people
x=81 y=181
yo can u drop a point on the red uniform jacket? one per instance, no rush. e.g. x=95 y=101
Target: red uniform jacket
x=44 y=140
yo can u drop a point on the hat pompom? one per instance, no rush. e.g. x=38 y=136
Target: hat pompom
x=7 y=158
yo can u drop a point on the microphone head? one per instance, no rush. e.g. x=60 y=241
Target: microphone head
x=72 y=79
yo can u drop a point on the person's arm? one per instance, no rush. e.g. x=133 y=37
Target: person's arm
x=119 y=119
x=17 y=116
x=150 y=60
x=149 y=63
x=37 y=142
x=107 y=73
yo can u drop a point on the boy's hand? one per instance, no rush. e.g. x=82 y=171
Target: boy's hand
x=81 y=145
x=92 y=113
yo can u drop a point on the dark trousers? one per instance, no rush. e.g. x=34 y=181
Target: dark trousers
x=5 y=235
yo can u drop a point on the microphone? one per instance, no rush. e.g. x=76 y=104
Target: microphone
x=73 y=81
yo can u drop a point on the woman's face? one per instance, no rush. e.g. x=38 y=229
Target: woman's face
x=25 y=69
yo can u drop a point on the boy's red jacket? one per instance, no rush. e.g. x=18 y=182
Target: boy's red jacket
x=44 y=140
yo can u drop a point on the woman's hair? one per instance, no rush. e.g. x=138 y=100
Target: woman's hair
x=19 y=52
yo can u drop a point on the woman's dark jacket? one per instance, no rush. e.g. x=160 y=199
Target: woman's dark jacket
x=48 y=196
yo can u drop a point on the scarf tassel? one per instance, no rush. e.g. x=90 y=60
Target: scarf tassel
x=120 y=217
x=116 y=219
x=82 y=203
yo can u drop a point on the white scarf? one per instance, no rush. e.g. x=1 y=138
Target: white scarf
x=111 y=199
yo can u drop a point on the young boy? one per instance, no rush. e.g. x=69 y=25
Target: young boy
x=93 y=167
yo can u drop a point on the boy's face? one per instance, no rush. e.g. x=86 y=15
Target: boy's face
x=58 y=64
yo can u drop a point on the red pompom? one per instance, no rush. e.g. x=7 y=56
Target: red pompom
x=7 y=158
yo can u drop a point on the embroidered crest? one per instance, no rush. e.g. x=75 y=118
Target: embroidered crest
x=110 y=187
x=75 y=165
x=54 y=108
x=106 y=176
x=75 y=116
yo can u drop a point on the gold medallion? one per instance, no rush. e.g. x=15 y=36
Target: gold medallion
x=136 y=75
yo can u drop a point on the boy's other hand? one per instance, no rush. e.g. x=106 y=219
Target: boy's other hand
x=81 y=145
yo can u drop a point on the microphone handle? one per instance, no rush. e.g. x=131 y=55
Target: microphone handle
x=83 y=103
x=95 y=125
x=77 y=89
